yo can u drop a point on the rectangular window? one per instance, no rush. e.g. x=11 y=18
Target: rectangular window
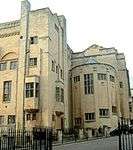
x=114 y=109
x=88 y=84
x=28 y=117
x=62 y=95
x=121 y=84
x=34 y=116
x=57 y=94
x=33 y=62
x=104 y=112
x=77 y=121
x=7 y=91
x=2 y=66
x=76 y=79
x=53 y=66
x=57 y=69
x=30 y=89
x=89 y=116
x=13 y=65
x=34 y=40
x=102 y=76
x=112 y=78
x=11 y=119
x=1 y=120
x=61 y=74
x=37 y=90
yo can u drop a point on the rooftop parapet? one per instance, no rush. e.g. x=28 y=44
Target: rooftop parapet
x=9 y=24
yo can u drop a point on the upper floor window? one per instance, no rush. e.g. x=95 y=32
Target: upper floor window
x=57 y=93
x=76 y=79
x=121 y=84
x=1 y=120
x=88 y=84
x=34 y=40
x=13 y=65
x=32 y=89
x=112 y=78
x=7 y=91
x=114 y=109
x=102 y=76
x=104 y=112
x=62 y=95
x=61 y=74
x=2 y=66
x=89 y=116
x=57 y=69
x=53 y=66
x=11 y=119
x=33 y=61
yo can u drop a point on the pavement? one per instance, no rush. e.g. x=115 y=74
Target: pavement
x=99 y=144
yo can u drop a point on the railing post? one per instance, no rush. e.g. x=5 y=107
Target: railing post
x=119 y=127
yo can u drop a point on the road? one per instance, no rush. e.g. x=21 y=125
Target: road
x=100 y=144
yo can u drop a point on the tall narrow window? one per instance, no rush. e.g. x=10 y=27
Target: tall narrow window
x=62 y=95
x=33 y=62
x=2 y=66
x=57 y=92
x=112 y=78
x=53 y=66
x=13 y=65
x=30 y=89
x=7 y=91
x=37 y=90
x=88 y=84
x=1 y=120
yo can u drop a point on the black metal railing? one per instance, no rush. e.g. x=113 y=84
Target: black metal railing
x=125 y=134
x=38 y=139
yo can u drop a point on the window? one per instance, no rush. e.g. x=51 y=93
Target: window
x=33 y=62
x=130 y=106
x=11 y=119
x=37 y=90
x=13 y=65
x=77 y=121
x=30 y=89
x=57 y=69
x=2 y=66
x=88 y=84
x=89 y=116
x=102 y=76
x=1 y=120
x=114 y=109
x=53 y=66
x=121 y=84
x=76 y=79
x=34 y=40
x=7 y=91
x=28 y=117
x=112 y=78
x=34 y=116
x=62 y=95
x=61 y=74
x=57 y=94
x=104 y=112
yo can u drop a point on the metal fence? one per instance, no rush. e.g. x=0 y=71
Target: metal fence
x=38 y=139
x=125 y=131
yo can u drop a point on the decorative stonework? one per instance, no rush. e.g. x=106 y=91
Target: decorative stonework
x=10 y=24
x=9 y=34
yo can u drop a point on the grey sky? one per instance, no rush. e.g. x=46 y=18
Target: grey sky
x=107 y=23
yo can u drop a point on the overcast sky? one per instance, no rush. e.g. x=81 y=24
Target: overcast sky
x=108 y=23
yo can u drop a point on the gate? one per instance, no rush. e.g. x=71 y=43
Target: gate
x=125 y=134
x=38 y=139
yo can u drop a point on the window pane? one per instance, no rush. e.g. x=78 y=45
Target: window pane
x=7 y=91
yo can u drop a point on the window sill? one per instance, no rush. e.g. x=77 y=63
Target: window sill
x=88 y=121
x=104 y=117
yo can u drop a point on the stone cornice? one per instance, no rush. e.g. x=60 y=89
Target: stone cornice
x=9 y=24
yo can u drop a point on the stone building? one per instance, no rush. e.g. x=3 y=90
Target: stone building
x=44 y=83
x=100 y=90
x=34 y=70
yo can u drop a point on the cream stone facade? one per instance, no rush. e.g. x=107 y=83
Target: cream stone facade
x=43 y=83
x=100 y=90
x=34 y=64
